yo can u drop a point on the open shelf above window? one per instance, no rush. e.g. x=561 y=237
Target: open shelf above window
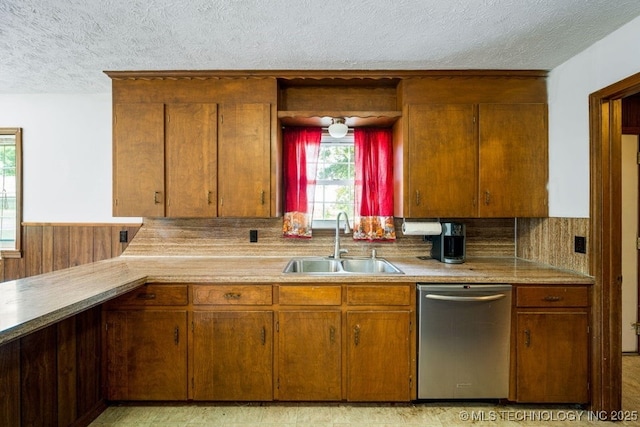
x=352 y=118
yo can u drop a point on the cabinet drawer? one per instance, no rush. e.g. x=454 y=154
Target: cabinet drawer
x=232 y=295
x=378 y=295
x=151 y=295
x=552 y=296
x=310 y=295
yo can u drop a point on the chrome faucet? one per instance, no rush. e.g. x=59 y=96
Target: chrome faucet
x=336 y=250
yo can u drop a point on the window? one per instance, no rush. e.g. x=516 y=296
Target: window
x=335 y=177
x=10 y=192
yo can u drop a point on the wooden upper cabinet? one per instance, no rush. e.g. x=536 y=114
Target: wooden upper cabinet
x=138 y=159
x=244 y=161
x=513 y=153
x=191 y=160
x=442 y=161
x=476 y=160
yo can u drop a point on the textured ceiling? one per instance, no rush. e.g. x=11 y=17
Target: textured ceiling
x=63 y=46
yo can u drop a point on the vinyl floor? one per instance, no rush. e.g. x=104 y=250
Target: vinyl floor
x=430 y=414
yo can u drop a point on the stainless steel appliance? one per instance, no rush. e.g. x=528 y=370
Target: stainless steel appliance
x=449 y=246
x=463 y=341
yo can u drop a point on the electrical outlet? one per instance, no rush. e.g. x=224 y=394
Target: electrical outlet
x=124 y=236
x=253 y=236
x=580 y=244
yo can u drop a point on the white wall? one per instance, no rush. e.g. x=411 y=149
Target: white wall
x=66 y=155
x=610 y=60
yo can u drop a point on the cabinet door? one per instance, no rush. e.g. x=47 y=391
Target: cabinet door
x=146 y=355
x=552 y=357
x=232 y=355
x=442 y=161
x=244 y=161
x=378 y=356
x=138 y=160
x=513 y=160
x=309 y=355
x=191 y=160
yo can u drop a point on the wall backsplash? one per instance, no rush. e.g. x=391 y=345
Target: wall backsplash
x=551 y=241
x=230 y=237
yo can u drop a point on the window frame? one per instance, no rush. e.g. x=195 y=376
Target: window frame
x=326 y=224
x=16 y=252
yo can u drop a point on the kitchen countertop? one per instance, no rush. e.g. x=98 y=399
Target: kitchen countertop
x=29 y=304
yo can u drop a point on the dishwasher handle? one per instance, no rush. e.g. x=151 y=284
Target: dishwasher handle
x=465 y=299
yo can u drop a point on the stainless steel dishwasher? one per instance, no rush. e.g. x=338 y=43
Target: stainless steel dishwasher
x=463 y=341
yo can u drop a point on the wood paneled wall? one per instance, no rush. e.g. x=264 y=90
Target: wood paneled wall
x=51 y=247
x=551 y=241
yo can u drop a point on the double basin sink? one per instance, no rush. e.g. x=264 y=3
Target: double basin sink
x=341 y=266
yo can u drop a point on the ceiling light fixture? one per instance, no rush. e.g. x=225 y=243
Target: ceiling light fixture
x=338 y=129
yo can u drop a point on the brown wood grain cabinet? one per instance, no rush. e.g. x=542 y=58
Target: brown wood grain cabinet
x=146 y=344
x=552 y=344
x=138 y=159
x=309 y=338
x=232 y=355
x=380 y=345
x=231 y=352
x=165 y=159
x=475 y=160
x=513 y=160
x=244 y=167
x=442 y=161
x=259 y=342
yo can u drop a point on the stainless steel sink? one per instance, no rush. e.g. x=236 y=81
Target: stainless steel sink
x=341 y=266
x=369 y=265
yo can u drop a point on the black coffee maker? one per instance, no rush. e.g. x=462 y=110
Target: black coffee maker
x=449 y=246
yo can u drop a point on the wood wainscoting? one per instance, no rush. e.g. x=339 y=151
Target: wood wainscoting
x=51 y=247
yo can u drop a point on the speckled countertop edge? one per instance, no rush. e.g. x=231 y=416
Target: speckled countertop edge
x=33 y=303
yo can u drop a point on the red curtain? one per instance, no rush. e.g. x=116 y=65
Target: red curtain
x=300 y=154
x=374 y=184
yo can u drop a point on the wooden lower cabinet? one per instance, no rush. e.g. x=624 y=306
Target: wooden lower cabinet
x=309 y=355
x=232 y=355
x=146 y=355
x=552 y=345
x=378 y=356
x=245 y=342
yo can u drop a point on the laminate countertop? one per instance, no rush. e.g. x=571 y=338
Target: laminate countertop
x=29 y=304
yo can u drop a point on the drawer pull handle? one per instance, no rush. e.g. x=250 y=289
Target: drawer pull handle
x=263 y=336
x=527 y=338
x=552 y=298
x=156 y=197
x=356 y=335
x=232 y=295
x=332 y=334
x=146 y=296
x=176 y=335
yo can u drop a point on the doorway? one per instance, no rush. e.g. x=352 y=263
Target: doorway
x=605 y=135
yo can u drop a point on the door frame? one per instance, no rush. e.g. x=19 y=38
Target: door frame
x=605 y=138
